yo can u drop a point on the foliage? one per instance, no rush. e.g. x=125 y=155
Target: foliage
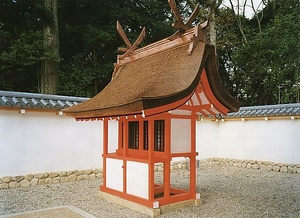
x=229 y=40
x=90 y=40
x=269 y=62
x=258 y=59
x=79 y=76
x=25 y=51
x=21 y=44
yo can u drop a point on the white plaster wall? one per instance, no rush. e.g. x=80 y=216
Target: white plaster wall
x=266 y=140
x=137 y=179
x=114 y=174
x=180 y=135
x=45 y=142
x=37 y=142
x=112 y=136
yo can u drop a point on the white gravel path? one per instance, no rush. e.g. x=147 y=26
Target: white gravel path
x=226 y=192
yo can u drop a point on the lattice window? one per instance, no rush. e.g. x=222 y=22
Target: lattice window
x=133 y=135
x=159 y=135
x=145 y=135
x=122 y=137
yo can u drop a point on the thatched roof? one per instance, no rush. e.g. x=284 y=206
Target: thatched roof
x=155 y=76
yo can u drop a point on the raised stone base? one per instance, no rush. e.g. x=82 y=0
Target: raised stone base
x=151 y=212
x=48 y=178
x=60 y=211
x=254 y=164
x=180 y=205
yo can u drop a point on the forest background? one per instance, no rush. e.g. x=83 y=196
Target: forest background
x=68 y=47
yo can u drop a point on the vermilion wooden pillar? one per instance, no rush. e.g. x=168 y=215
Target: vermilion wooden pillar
x=120 y=135
x=151 y=158
x=167 y=164
x=193 y=156
x=125 y=152
x=105 y=148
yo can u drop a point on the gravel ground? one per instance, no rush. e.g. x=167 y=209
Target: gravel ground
x=225 y=191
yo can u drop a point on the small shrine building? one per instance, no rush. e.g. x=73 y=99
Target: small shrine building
x=155 y=95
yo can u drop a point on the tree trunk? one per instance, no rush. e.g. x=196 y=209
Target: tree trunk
x=238 y=18
x=212 y=23
x=49 y=69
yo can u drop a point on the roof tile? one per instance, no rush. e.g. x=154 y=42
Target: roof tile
x=10 y=99
x=57 y=102
x=267 y=110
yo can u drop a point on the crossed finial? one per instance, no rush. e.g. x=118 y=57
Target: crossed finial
x=130 y=48
x=179 y=24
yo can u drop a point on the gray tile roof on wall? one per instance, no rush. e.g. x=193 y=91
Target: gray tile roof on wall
x=10 y=99
x=267 y=111
x=41 y=101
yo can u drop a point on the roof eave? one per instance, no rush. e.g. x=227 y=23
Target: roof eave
x=215 y=82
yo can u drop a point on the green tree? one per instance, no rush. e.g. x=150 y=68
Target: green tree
x=90 y=40
x=258 y=58
x=229 y=40
x=270 y=59
x=19 y=61
x=21 y=47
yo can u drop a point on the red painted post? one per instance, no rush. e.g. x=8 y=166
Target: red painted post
x=125 y=153
x=105 y=148
x=167 y=164
x=151 y=158
x=193 y=157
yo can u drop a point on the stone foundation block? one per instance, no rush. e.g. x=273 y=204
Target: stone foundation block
x=283 y=169
x=4 y=185
x=276 y=168
x=7 y=179
x=25 y=183
x=34 y=181
x=64 y=179
x=53 y=175
x=14 y=184
x=49 y=181
x=29 y=177
x=72 y=178
x=42 y=182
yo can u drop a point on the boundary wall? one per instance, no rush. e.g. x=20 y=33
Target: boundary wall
x=265 y=139
x=40 y=148
x=38 y=142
